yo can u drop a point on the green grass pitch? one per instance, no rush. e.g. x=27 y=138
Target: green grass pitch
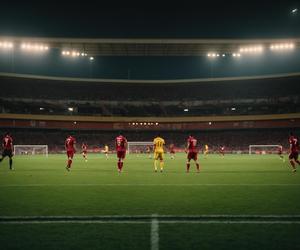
x=140 y=198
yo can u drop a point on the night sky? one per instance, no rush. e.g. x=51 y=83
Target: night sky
x=247 y=19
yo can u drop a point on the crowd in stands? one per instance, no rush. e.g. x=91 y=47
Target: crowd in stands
x=231 y=97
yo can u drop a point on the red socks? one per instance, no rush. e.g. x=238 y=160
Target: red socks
x=120 y=165
x=198 y=167
x=69 y=163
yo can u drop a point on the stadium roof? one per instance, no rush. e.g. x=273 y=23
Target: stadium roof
x=149 y=47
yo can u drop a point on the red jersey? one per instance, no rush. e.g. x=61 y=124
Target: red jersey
x=121 y=142
x=294 y=144
x=192 y=145
x=222 y=149
x=69 y=143
x=7 y=143
x=84 y=147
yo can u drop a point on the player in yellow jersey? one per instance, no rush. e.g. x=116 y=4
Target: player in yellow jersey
x=205 y=150
x=105 y=151
x=158 y=143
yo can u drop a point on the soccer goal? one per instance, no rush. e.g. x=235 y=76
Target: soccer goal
x=138 y=146
x=263 y=149
x=31 y=150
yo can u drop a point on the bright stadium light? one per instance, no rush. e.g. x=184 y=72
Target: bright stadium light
x=236 y=54
x=213 y=55
x=282 y=46
x=71 y=109
x=91 y=58
x=41 y=108
x=73 y=53
x=34 y=47
x=252 y=49
x=6 y=45
x=223 y=55
x=294 y=11
x=186 y=110
x=233 y=109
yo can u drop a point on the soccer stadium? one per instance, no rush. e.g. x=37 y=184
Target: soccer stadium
x=125 y=140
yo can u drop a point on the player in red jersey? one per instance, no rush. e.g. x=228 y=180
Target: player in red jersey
x=70 y=149
x=84 y=151
x=222 y=150
x=172 y=151
x=280 y=153
x=192 y=153
x=121 y=145
x=7 y=144
x=294 y=151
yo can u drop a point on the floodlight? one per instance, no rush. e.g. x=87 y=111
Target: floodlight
x=282 y=46
x=294 y=11
x=71 y=109
x=6 y=45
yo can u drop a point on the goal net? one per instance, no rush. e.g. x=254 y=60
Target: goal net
x=139 y=146
x=31 y=150
x=263 y=149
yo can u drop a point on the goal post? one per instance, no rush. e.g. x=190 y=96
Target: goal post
x=263 y=148
x=134 y=145
x=31 y=150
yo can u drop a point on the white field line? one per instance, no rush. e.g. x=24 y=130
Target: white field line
x=154 y=221
x=150 y=222
x=150 y=184
x=154 y=233
x=149 y=217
